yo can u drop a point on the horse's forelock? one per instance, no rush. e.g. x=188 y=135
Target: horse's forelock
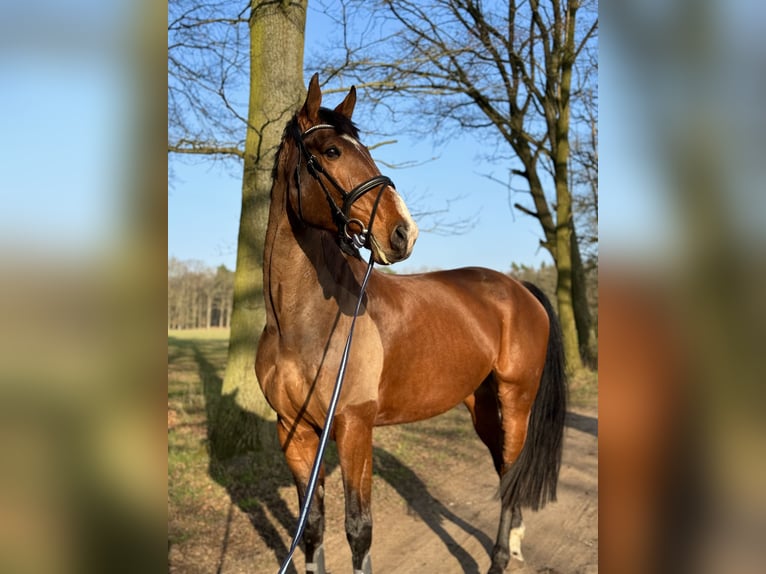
x=343 y=124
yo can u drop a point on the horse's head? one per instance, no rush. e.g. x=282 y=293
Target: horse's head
x=339 y=188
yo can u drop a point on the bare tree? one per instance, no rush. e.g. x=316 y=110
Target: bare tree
x=207 y=67
x=584 y=182
x=509 y=72
x=235 y=75
x=224 y=291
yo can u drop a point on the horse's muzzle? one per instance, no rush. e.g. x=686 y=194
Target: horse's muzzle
x=402 y=241
x=400 y=238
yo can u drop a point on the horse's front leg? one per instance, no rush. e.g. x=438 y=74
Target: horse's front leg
x=353 y=433
x=299 y=444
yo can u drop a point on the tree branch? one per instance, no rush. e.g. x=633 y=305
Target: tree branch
x=190 y=148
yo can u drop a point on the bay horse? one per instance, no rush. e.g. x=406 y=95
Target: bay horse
x=423 y=343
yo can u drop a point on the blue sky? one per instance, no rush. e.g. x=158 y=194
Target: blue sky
x=65 y=118
x=204 y=202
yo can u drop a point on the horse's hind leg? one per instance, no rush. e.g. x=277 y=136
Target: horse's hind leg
x=299 y=445
x=510 y=532
x=485 y=414
x=485 y=408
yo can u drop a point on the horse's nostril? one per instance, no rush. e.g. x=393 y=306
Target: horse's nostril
x=399 y=237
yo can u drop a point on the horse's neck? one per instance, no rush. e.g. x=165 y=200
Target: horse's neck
x=305 y=274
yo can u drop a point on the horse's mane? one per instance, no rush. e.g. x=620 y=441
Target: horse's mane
x=326 y=116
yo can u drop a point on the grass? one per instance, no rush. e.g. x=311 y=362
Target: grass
x=583 y=388
x=188 y=456
x=213 y=334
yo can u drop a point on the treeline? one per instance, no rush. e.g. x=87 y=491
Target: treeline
x=198 y=297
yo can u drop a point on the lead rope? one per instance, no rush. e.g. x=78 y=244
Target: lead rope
x=311 y=487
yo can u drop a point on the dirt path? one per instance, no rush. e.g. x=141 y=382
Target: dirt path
x=450 y=525
x=433 y=507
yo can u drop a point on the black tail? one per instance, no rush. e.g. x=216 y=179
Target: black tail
x=531 y=481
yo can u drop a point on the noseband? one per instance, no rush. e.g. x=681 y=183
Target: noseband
x=352 y=233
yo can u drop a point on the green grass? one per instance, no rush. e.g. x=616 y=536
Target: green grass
x=214 y=334
x=189 y=480
x=201 y=488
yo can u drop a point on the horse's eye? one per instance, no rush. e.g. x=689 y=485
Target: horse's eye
x=332 y=152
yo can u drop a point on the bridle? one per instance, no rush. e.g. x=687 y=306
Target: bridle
x=352 y=233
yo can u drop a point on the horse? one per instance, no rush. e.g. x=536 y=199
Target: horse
x=423 y=343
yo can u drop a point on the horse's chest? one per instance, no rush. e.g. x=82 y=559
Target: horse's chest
x=303 y=369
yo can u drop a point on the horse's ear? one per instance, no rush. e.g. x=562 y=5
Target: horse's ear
x=309 y=114
x=346 y=107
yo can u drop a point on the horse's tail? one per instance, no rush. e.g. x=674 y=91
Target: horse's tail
x=531 y=480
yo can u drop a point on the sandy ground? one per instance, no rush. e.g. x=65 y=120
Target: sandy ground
x=439 y=516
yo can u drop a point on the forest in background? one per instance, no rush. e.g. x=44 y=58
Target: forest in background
x=199 y=297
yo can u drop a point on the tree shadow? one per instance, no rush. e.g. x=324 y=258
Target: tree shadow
x=414 y=491
x=252 y=478
x=582 y=423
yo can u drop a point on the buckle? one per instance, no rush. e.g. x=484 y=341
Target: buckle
x=357 y=238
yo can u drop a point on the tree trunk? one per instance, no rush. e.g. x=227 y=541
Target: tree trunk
x=564 y=285
x=225 y=304
x=571 y=276
x=194 y=318
x=580 y=303
x=566 y=264
x=276 y=89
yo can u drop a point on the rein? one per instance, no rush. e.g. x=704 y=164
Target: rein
x=352 y=240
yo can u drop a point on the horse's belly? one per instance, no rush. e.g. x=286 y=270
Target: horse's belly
x=426 y=391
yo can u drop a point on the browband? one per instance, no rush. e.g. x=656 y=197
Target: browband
x=316 y=127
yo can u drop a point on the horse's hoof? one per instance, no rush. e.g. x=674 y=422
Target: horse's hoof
x=317 y=566
x=366 y=566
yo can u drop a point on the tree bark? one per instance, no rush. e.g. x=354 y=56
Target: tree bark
x=568 y=266
x=276 y=89
x=581 y=309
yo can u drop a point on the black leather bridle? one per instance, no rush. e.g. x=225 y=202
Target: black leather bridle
x=352 y=233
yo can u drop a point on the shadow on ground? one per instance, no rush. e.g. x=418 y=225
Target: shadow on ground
x=582 y=423
x=433 y=512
